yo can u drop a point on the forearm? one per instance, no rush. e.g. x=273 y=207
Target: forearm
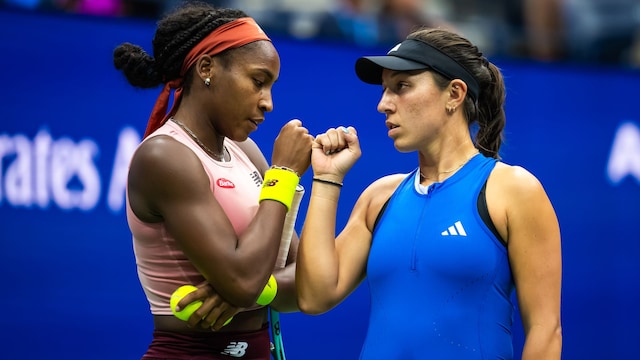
x=240 y=272
x=543 y=343
x=286 y=300
x=257 y=248
x=317 y=265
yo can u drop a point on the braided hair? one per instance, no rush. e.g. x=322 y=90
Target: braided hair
x=176 y=34
x=488 y=112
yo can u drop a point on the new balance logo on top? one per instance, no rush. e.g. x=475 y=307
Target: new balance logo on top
x=236 y=349
x=256 y=178
x=455 y=230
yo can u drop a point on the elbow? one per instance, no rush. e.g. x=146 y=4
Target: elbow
x=311 y=306
x=558 y=335
x=242 y=300
x=244 y=295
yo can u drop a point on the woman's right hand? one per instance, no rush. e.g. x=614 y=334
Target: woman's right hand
x=335 y=152
x=292 y=147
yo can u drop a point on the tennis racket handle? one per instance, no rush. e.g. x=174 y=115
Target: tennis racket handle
x=289 y=228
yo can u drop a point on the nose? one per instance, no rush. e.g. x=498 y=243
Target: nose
x=266 y=102
x=384 y=105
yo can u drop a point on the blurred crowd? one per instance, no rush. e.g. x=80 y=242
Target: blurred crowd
x=584 y=31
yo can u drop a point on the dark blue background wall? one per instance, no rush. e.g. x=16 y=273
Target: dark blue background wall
x=69 y=122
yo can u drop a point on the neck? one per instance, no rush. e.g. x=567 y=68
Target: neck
x=445 y=169
x=220 y=155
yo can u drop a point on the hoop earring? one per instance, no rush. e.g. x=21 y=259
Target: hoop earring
x=207 y=82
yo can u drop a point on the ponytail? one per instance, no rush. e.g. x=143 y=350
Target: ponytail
x=491 y=117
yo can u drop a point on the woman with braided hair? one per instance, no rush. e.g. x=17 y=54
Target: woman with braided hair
x=444 y=247
x=203 y=206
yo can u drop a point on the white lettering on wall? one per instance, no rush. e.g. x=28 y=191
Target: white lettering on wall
x=6 y=147
x=72 y=163
x=624 y=159
x=128 y=141
x=18 y=178
x=41 y=146
x=61 y=172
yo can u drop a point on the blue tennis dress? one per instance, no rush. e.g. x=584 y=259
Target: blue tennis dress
x=439 y=278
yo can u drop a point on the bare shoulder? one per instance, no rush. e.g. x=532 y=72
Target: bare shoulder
x=383 y=187
x=515 y=181
x=158 y=171
x=162 y=154
x=514 y=194
x=376 y=195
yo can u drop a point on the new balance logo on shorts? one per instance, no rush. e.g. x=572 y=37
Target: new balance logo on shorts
x=236 y=349
x=455 y=230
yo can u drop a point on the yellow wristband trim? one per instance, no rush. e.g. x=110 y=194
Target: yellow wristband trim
x=279 y=185
x=269 y=292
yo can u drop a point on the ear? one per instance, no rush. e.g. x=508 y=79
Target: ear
x=205 y=67
x=457 y=93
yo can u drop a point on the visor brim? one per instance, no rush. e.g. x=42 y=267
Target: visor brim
x=369 y=68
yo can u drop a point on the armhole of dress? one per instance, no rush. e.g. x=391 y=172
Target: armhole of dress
x=483 y=210
x=384 y=206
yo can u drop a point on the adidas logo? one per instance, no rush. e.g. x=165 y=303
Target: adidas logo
x=236 y=349
x=395 y=48
x=455 y=230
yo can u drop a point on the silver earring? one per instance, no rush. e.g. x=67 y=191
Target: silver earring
x=207 y=81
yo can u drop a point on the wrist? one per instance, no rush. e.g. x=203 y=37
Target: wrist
x=326 y=181
x=279 y=185
x=284 y=168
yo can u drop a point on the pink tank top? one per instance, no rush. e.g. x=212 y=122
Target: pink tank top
x=162 y=266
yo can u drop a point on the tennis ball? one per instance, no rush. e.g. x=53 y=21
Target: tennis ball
x=177 y=295
x=185 y=314
x=269 y=292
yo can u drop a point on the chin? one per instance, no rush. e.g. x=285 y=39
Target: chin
x=239 y=138
x=400 y=148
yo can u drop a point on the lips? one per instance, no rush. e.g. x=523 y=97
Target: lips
x=255 y=123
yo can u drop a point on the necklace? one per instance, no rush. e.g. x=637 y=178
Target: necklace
x=450 y=170
x=219 y=157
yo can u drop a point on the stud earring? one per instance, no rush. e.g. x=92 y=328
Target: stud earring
x=207 y=81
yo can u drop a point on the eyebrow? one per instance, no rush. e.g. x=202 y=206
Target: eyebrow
x=396 y=73
x=267 y=73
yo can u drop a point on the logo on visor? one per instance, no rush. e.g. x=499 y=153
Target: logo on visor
x=395 y=48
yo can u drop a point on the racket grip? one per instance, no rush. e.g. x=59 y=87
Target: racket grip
x=289 y=227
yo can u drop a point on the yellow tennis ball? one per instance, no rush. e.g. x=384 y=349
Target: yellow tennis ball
x=269 y=292
x=177 y=295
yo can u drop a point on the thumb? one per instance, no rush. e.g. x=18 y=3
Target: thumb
x=351 y=136
x=295 y=122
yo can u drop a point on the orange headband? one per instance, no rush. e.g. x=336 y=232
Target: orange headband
x=228 y=36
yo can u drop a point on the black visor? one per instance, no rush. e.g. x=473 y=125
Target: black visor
x=414 y=54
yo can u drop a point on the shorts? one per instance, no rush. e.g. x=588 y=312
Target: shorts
x=252 y=345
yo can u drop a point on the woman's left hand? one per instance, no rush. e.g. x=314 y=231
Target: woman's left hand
x=214 y=311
